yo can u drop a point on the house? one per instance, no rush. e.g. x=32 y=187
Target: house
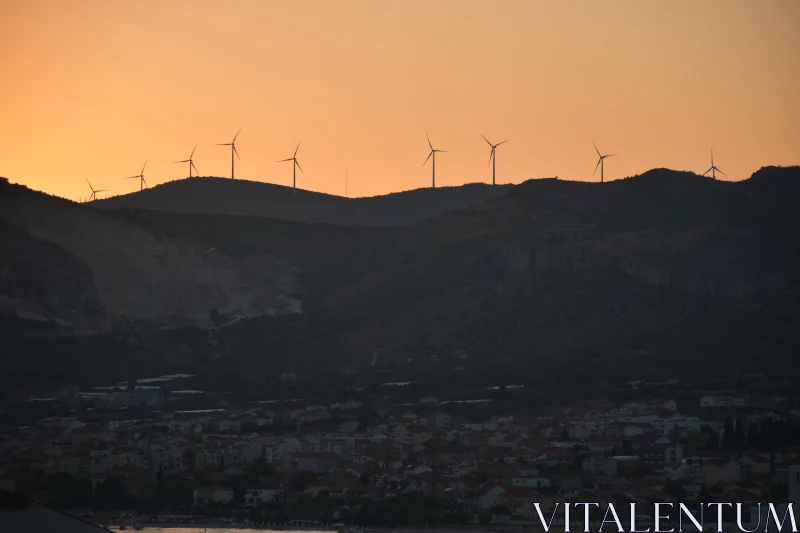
x=439 y=420
x=531 y=481
x=662 y=453
x=264 y=492
x=754 y=464
x=211 y=494
x=491 y=498
x=579 y=430
x=317 y=462
x=597 y=464
x=718 y=470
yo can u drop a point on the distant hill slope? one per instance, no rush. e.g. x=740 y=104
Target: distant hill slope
x=677 y=266
x=87 y=271
x=559 y=265
x=242 y=197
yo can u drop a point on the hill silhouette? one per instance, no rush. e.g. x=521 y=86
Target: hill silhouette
x=550 y=279
x=241 y=197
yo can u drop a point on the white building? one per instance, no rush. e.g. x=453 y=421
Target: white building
x=210 y=494
x=261 y=494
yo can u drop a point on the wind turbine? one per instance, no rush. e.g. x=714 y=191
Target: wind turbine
x=140 y=177
x=191 y=163
x=492 y=155
x=600 y=162
x=432 y=154
x=232 y=144
x=94 y=192
x=713 y=168
x=295 y=166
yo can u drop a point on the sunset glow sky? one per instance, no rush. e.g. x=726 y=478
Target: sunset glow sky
x=93 y=88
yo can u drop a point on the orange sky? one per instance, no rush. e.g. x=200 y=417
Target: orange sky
x=93 y=88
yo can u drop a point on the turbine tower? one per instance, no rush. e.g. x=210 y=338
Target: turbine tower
x=600 y=162
x=94 y=192
x=432 y=154
x=493 y=156
x=191 y=163
x=140 y=177
x=295 y=166
x=713 y=168
x=232 y=144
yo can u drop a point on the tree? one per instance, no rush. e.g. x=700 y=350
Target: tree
x=753 y=435
x=676 y=491
x=727 y=435
x=303 y=479
x=767 y=434
x=713 y=441
x=110 y=495
x=739 y=438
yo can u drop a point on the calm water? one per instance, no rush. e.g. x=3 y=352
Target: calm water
x=210 y=530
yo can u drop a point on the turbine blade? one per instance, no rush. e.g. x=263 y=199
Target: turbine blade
x=498 y=144
x=195 y=148
x=195 y=168
x=610 y=155
x=100 y=190
x=721 y=172
x=426 y=159
x=429 y=141
x=283 y=160
x=145 y=164
x=707 y=171
x=145 y=182
x=235 y=151
x=237 y=134
x=184 y=161
x=223 y=144
x=442 y=151
x=296 y=149
x=491 y=155
x=133 y=177
x=487 y=140
x=298 y=166
x=597 y=165
x=596 y=150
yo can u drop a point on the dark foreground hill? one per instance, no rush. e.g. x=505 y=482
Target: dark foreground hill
x=662 y=274
x=241 y=197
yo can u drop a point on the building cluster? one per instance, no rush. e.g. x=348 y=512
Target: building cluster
x=492 y=466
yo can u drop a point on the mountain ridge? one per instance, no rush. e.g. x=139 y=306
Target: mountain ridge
x=209 y=195
x=673 y=263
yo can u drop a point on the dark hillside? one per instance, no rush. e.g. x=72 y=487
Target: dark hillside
x=242 y=197
x=657 y=273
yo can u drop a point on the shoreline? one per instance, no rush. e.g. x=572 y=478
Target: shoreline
x=216 y=526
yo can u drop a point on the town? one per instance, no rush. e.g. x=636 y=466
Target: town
x=162 y=453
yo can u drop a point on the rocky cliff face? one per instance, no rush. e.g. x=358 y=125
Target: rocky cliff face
x=88 y=261
x=42 y=282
